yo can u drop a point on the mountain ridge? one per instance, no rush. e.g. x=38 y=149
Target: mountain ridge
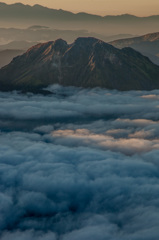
x=11 y=14
x=87 y=62
x=2 y=4
x=147 y=44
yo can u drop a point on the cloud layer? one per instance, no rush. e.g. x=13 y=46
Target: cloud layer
x=79 y=164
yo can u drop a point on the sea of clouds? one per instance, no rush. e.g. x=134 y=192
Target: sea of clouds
x=79 y=164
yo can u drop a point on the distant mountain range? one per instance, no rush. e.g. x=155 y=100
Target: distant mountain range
x=41 y=34
x=39 y=15
x=148 y=45
x=88 y=62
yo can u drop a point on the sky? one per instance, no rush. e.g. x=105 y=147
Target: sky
x=100 y=7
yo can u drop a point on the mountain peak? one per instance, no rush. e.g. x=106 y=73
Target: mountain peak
x=2 y=4
x=85 y=40
x=38 y=6
x=60 y=44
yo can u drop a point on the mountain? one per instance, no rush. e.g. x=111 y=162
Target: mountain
x=147 y=44
x=17 y=15
x=24 y=36
x=88 y=62
x=6 y=56
x=20 y=45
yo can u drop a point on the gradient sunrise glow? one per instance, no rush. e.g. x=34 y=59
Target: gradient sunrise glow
x=101 y=7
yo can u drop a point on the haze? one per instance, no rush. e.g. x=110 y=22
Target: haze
x=102 y=7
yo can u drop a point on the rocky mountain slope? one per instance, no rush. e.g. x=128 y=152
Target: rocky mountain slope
x=147 y=44
x=88 y=62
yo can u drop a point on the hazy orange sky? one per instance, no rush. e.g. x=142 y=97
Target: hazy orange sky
x=102 y=7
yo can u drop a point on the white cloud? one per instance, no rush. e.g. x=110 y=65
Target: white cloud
x=79 y=164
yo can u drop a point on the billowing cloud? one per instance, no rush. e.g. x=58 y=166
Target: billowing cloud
x=79 y=164
x=134 y=144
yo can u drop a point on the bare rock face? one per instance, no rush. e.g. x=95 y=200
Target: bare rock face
x=88 y=62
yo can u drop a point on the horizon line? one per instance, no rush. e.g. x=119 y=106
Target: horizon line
x=74 y=12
